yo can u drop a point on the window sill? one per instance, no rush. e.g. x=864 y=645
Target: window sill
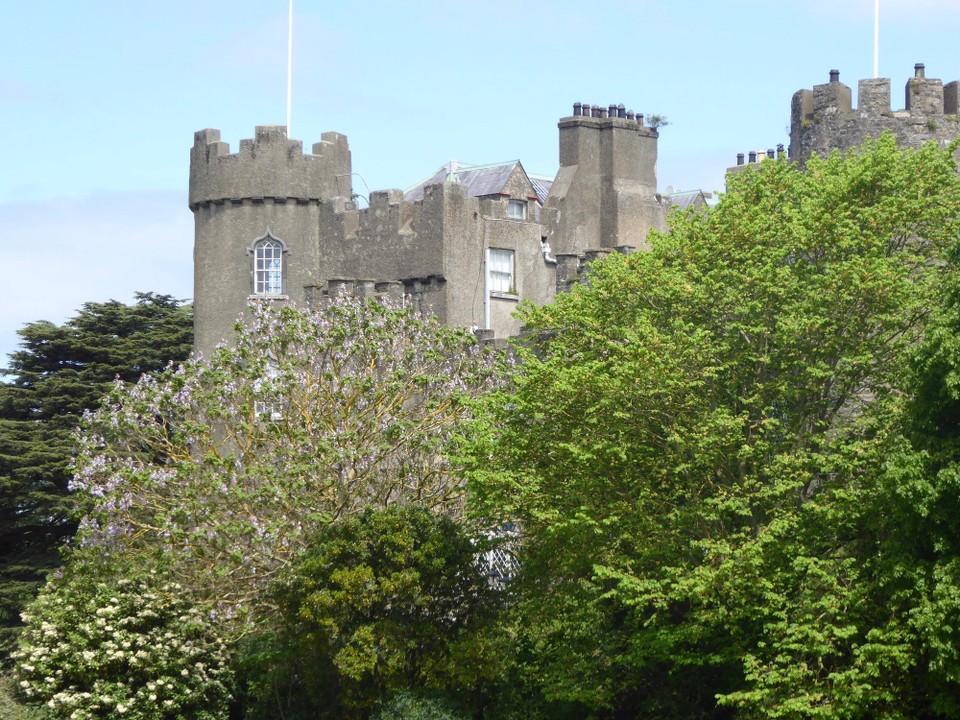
x=265 y=296
x=513 y=297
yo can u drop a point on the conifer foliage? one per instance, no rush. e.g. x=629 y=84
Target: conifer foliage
x=60 y=371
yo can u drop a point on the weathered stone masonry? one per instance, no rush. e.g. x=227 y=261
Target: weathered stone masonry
x=437 y=245
x=823 y=119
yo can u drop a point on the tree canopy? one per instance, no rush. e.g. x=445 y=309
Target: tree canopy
x=59 y=372
x=221 y=469
x=710 y=456
x=388 y=601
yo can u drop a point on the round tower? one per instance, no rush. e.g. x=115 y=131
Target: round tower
x=257 y=221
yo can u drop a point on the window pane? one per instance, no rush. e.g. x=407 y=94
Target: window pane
x=268 y=268
x=517 y=210
x=501 y=271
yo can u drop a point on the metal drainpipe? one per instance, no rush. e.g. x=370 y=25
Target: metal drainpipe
x=486 y=289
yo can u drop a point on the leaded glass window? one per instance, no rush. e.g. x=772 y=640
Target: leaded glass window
x=268 y=267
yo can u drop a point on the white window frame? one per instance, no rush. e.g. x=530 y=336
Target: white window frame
x=517 y=209
x=269 y=269
x=268 y=410
x=500 y=277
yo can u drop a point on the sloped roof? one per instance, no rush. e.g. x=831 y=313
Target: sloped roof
x=687 y=199
x=479 y=179
x=541 y=185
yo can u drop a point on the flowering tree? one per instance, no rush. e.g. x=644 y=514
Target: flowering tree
x=129 y=648
x=223 y=467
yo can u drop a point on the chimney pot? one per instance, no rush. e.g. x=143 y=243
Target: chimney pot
x=577 y=109
x=919 y=70
x=739 y=158
x=834 y=76
x=753 y=156
x=770 y=153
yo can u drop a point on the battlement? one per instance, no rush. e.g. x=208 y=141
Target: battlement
x=573 y=268
x=467 y=251
x=824 y=118
x=270 y=167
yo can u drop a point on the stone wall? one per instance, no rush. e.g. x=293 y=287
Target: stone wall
x=605 y=193
x=269 y=187
x=435 y=248
x=824 y=119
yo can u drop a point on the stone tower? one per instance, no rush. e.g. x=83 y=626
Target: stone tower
x=605 y=193
x=824 y=119
x=257 y=221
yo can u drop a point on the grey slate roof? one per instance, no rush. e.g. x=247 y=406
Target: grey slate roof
x=479 y=179
x=542 y=186
x=690 y=198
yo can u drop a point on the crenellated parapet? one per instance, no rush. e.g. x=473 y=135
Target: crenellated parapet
x=574 y=268
x=272 y=221
x=392 y=238
x=268 y=168
x=270 y=189
x=823 y=119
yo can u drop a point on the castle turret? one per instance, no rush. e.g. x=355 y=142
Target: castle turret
x=823 y=119
x=257 y=221
x=605 y=193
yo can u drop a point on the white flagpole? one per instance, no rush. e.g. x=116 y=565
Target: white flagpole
x=876 y=38
x=289 y=64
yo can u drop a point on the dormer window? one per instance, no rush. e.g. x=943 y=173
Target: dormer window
x=517 y=210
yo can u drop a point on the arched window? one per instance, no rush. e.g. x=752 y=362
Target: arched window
x=267 y=254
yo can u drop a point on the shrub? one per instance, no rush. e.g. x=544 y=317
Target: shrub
x=407 y=706
x=381 y=602
x=123 y=648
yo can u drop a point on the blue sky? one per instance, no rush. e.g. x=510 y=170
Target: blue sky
x=99 y=101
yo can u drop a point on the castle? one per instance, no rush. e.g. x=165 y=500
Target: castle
x=472 y=241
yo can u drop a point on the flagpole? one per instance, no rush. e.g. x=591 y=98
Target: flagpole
x=876 y=38
x=289 y=63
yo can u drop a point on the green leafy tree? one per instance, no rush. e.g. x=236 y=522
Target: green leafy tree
x=388 y=601
x=408 y=706
x=224 y=467
x=135 y=648
x=59 y=372
x=700 y=452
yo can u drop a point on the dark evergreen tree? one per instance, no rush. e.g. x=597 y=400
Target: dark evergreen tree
x=60 y=371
